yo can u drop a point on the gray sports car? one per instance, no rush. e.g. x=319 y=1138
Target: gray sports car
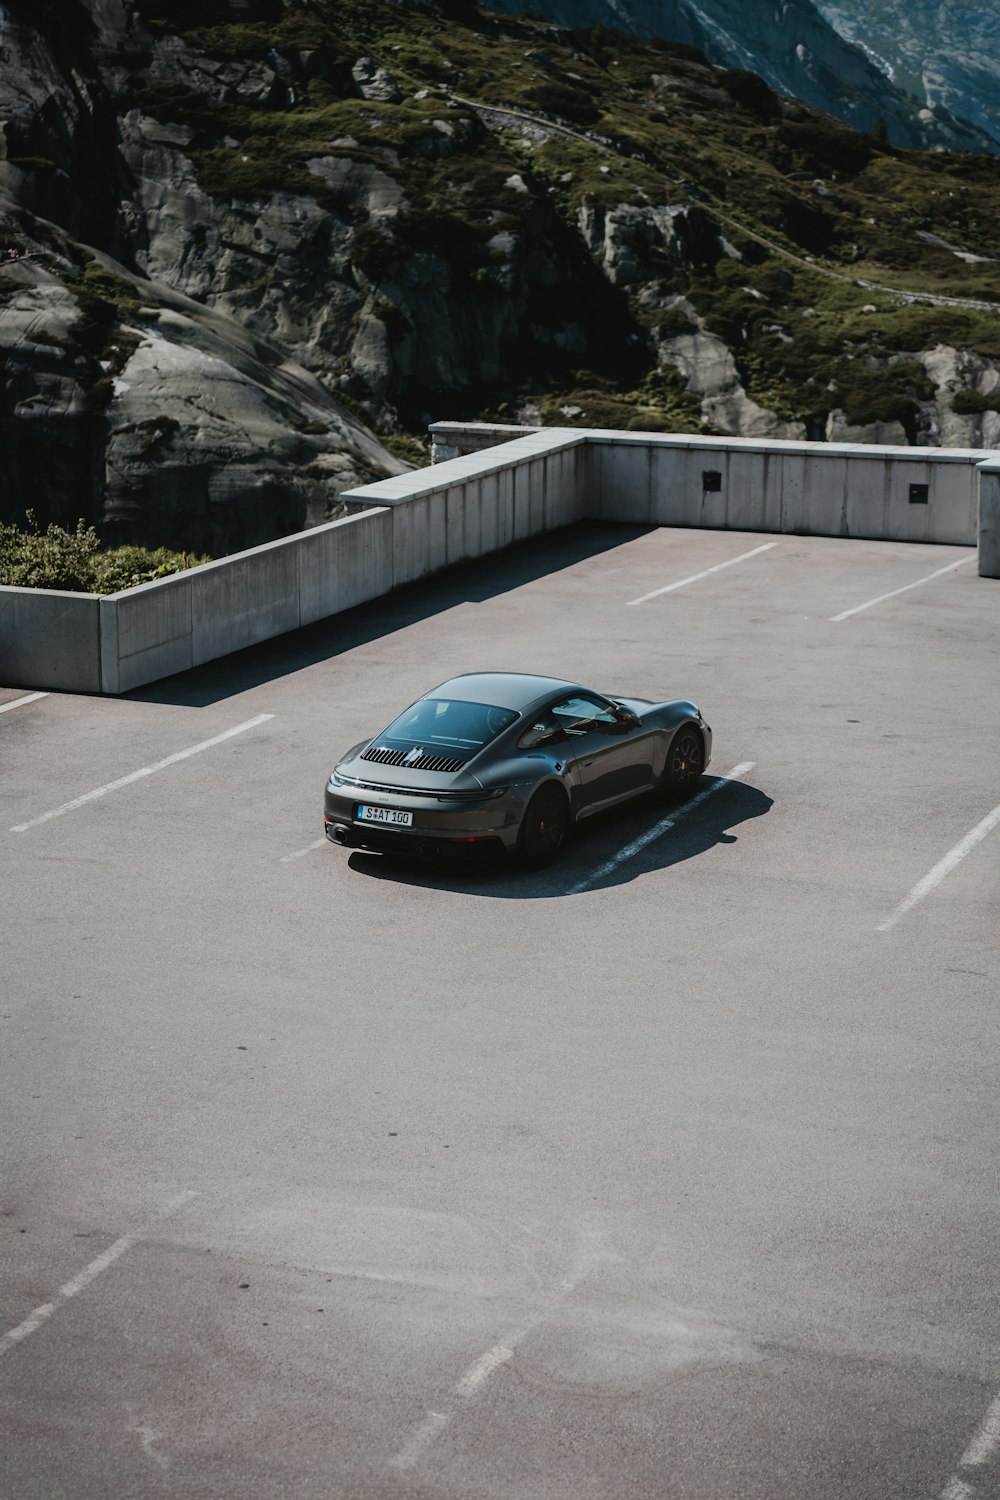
x=511 y=762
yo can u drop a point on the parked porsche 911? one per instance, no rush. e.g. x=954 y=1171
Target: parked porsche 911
x=509 y=761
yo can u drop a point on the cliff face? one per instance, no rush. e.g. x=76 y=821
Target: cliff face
x=942 y=53
x=233 y=234
x=818 y=53
x=123 y=400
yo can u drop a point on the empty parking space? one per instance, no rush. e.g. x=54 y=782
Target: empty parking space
x=680 y=583
x=904 y=588
x=675 y=1159
x=131 y=777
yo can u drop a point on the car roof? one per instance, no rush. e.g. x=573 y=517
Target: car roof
x=514 y=690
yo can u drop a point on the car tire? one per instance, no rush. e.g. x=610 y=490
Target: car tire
x=685 y=763
x=544 y=828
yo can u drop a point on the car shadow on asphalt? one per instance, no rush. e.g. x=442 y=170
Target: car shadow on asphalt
x=596 y=858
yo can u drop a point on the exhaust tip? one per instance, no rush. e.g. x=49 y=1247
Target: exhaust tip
x=339 y=833
x=430 y=850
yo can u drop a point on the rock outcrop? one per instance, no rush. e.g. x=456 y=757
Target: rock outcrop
x=124 y=399
x=956 y=372
x=135 y=407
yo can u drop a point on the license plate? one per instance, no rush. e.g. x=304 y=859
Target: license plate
x=392 y=815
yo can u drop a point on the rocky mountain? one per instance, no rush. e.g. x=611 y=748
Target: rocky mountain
x=832 y=56
x=943 y=53
x=123 y=399
x=245 y=245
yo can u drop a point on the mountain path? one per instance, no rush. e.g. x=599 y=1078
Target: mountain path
x=494 y=116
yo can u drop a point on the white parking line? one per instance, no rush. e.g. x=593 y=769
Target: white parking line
x=904 y=590
x=478 y=1373
x=651 y=834
x=986 y=1440
x=41 y=1315
x=5 y=708
x=942 y=868
x=424 y=1434
x=696 y=577
x=113 y=786
x=286 y=859
x=983 y=1445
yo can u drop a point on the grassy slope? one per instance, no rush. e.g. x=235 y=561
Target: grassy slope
x=674 y=130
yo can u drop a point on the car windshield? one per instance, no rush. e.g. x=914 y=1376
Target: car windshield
x=440 y=721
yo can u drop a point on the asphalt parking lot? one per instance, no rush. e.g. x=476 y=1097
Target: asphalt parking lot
x=667 y=1172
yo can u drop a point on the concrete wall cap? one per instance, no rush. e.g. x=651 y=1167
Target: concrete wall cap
x=485 y=428
x=420 y=483
x=32 y=593
x=784 y=445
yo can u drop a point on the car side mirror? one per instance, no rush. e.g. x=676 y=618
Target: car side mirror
x=618 y=725
x=626 y=717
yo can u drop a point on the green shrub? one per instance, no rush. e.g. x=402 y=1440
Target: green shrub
x=554 y=97
x=969 y=403
x=102 y=346
x=412 y=450
x=250 y=175
x=881 y=395
x=750 y=92
x=126 y=566
x=59 y=559
x=53 y=559
x=374 y=251
x=826 y=146
x=661 y=404
x=673 y=323
x=176 y=104
x=254 y=41
x=243 y=43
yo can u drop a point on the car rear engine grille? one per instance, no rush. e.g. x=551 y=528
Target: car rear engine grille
x=476 y=795
x=421 y=762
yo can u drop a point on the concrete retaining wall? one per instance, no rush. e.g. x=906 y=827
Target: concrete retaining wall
x=409 y=527
x=989 y=520
x=456 y=439
x=50 y=639
x=468 y=506
x=817 y=489
x=175 y=623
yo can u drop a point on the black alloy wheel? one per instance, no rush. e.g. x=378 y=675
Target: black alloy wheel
x=543 y=828
x=685 y=763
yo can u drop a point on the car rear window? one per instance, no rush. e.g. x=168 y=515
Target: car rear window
x=443 y=721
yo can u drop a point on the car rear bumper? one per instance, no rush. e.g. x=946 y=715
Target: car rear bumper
x=438 y=828
x=418 y=843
